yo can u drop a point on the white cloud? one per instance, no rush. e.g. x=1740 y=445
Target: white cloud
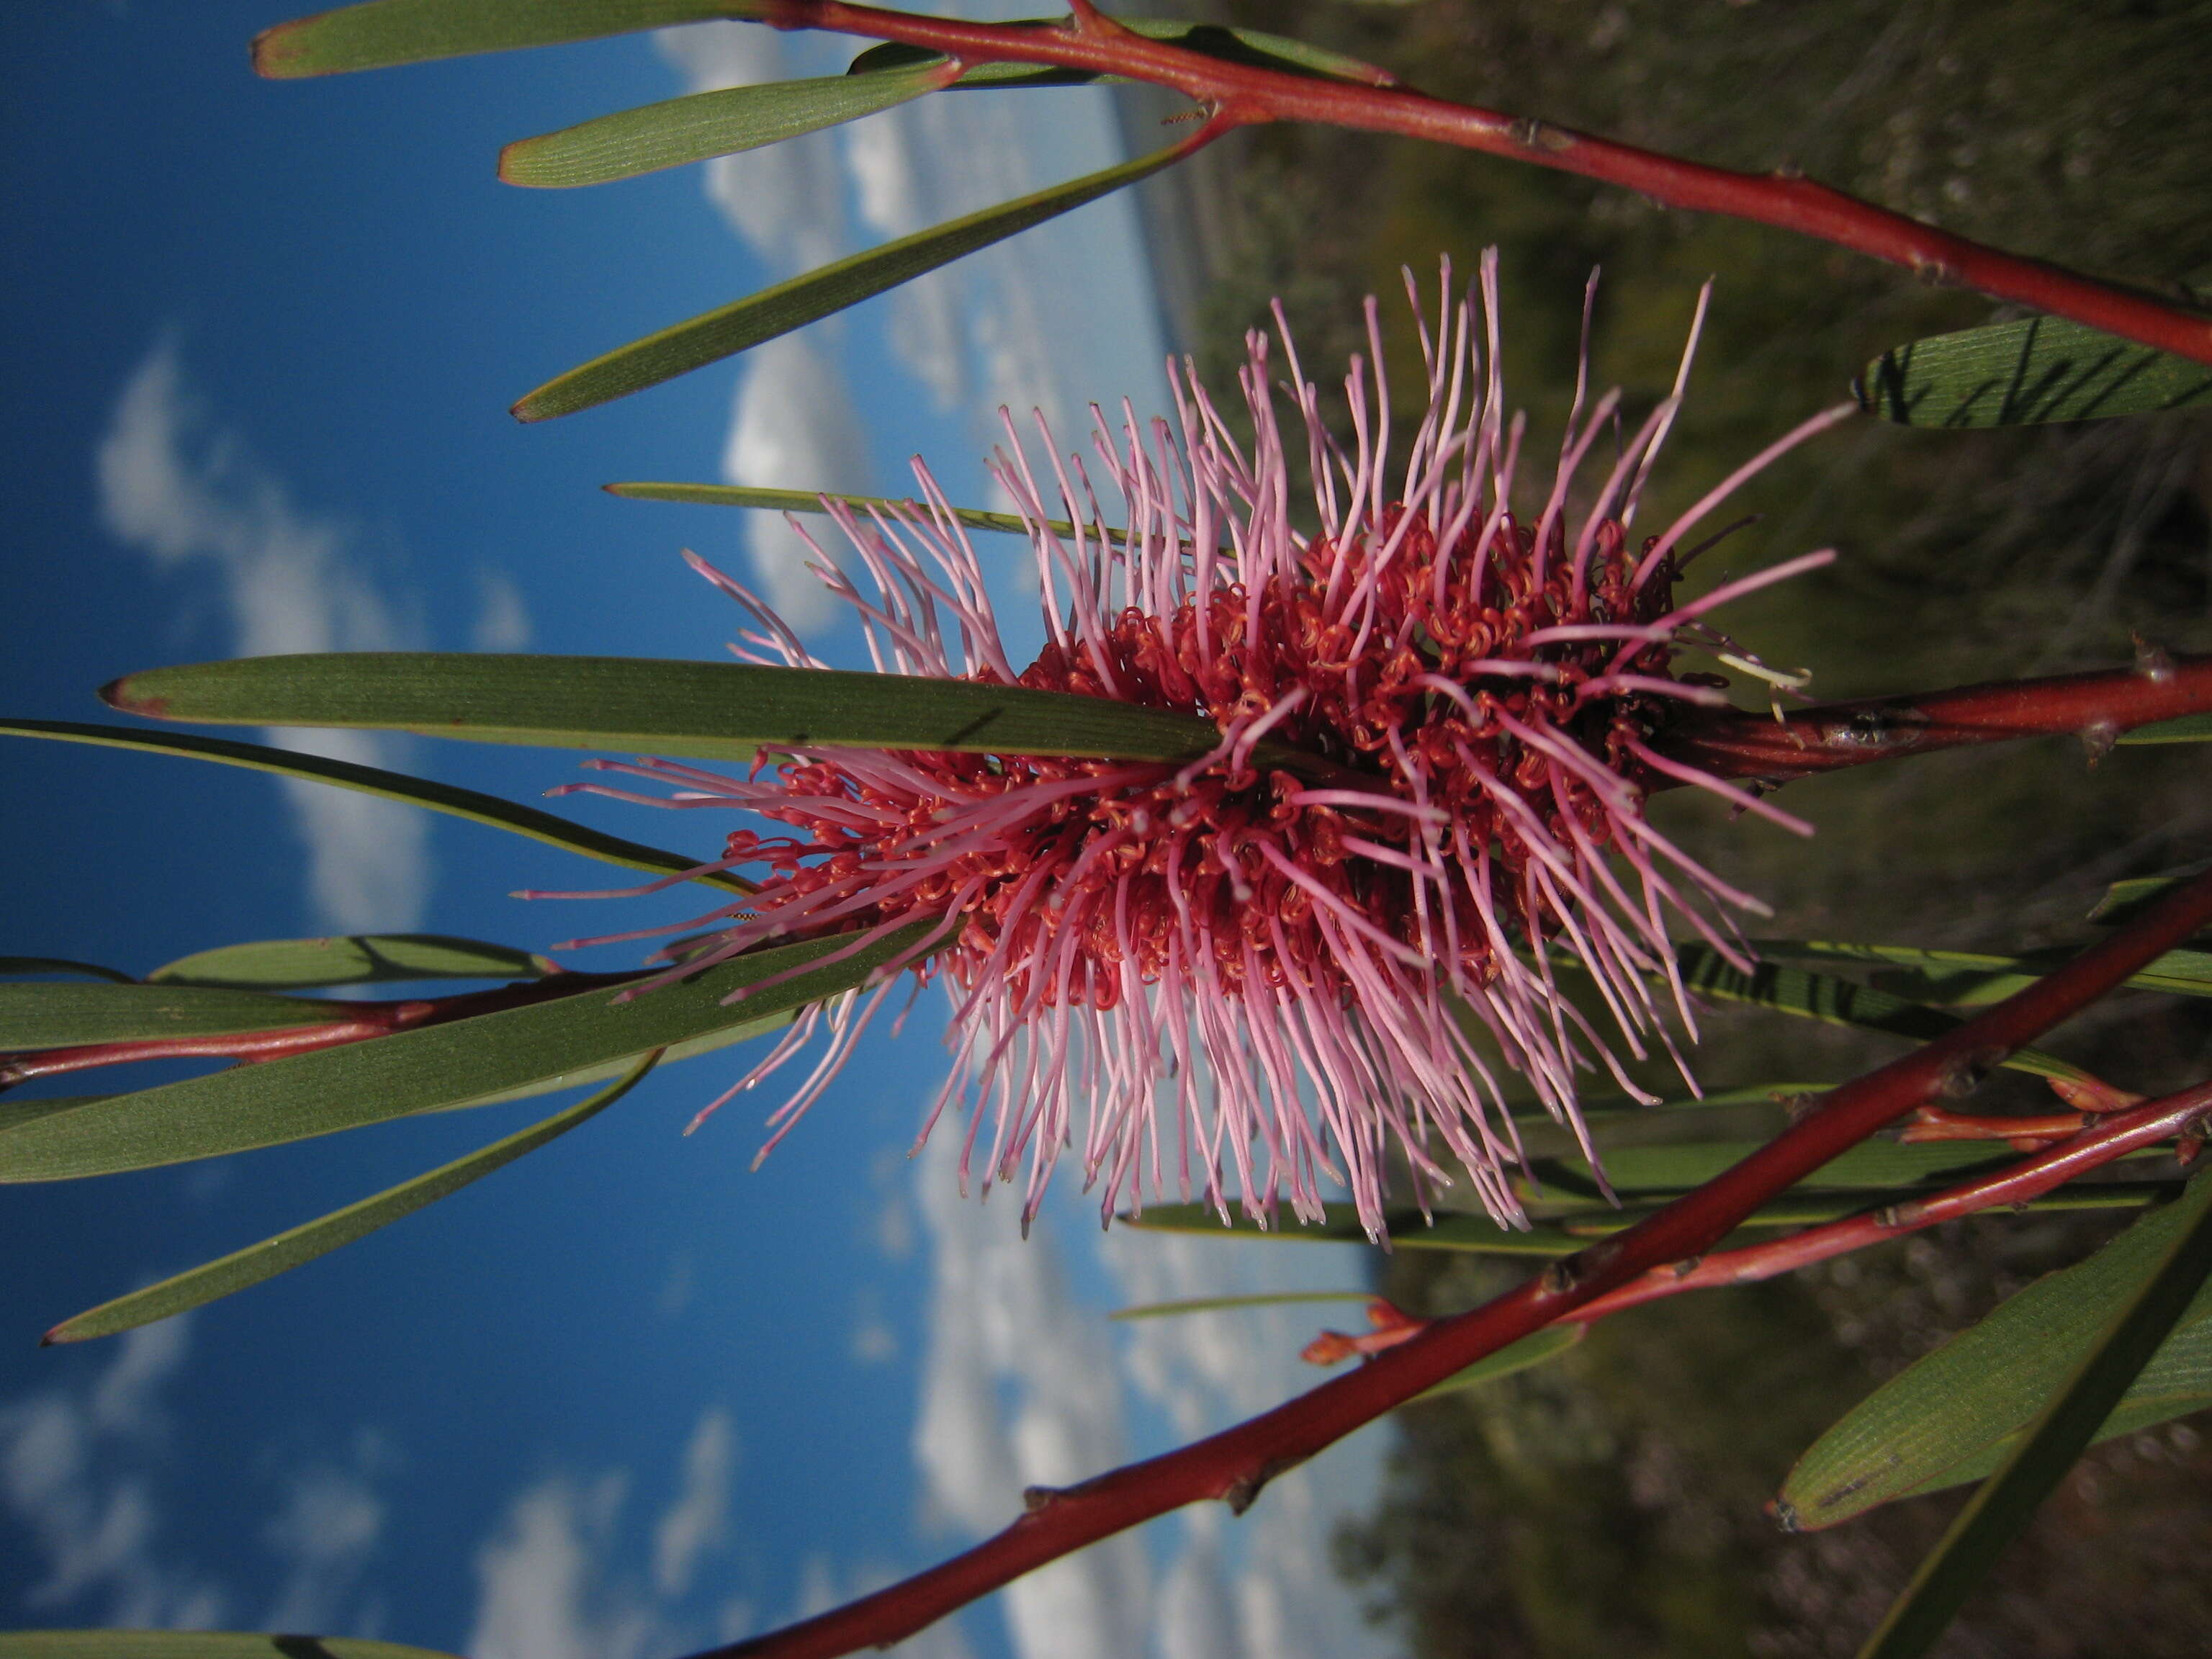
x=123 y=1399
x=541 y=1592
x=326 y=1530
x=551 y=1583
x=92 y=1525
x=1203 y=1372
x=503 y=616
x=792 y=428
x=1002 y=1329
x=873 y=1341
x=696 y=1519
x=786 y=201
x=180 y=490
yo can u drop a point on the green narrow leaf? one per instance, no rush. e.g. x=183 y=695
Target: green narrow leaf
x=1452 y=1231
x=2190 y=729
x=1800 y=1208
x=14 y=1109
x=196 y=1644
x=46 y=1014
x=810 y=501
x=383 y=32
x=1531 y=1350
x=13 y=965
x=703 y=710
x=517 y=1051
x=2177 y=1382
x=2149 y=1308
x=2041 y=368
x=817 y=294
x=1236 y=45
x=1221 y=1303
x=449 y=799
x=1836 y=1001
x=242 y=1269
x=1873 y=1163
x=1984 y=1385
x=292 y=964
x=2124 y=901
x=679 y=130
x=1973 y=979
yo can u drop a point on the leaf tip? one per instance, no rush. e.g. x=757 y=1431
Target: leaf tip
x=118 y=693
x=282 y=50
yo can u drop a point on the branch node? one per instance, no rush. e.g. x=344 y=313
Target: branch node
x=1037 y=1498
x=1936 y=273
x=1687 y=1265
x=1966 y=1074
x=2153 y=662
x=2098 y=738
x=1245 y=1491
x=1532 y=134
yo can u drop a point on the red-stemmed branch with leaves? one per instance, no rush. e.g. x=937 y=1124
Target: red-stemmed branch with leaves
x=1240 y=94
x=1728 y=743
x=1732 y=743
x=1233 y=1466
x=365 y=1021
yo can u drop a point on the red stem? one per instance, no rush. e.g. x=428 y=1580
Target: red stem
x=1735 y=743
x=1234 y=1465
x=1245 y=92
x=373 y=1019
x=2114 y=1137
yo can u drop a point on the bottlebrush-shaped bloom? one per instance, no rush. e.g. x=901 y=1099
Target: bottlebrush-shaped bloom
x=1238 y=979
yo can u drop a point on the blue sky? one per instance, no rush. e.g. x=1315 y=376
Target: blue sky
x=623 y=1398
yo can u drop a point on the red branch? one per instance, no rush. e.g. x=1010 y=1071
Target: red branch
x=367 y=1020
x=1735 y=743
x=1234 y=1465
x=1247 y=94
x=2112 y=1137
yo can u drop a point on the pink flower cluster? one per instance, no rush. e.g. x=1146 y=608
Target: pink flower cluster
x=1228 y=978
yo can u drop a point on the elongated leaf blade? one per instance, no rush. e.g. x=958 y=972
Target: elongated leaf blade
x=242 y=1269
x=1531 y=1350
x=1973 y=979
x=810 y=501
x=2177 y=1382
x=2190 y=729
x=1835 y=1002
x=383 y=32
x=449 y=799
x=1873 y=1163
x=2124 y=901
x=467 y=1062
x=705 y=710
x=1997 y=1513
x=1229 y=1303
x=1955 y=1404
x=1475 y=1234
x=2039 y=369
x=764 y=316
x=196 y=1644
x=11 y=966
x=725 y=122
x=48 y=1014
x=292 y=964
x=1254 y=47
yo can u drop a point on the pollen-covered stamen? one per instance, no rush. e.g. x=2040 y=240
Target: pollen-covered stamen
x=1308 y=979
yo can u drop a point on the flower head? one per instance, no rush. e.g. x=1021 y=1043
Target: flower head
x=1244 y=975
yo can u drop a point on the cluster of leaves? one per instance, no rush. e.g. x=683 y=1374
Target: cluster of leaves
x=2105 y=1347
